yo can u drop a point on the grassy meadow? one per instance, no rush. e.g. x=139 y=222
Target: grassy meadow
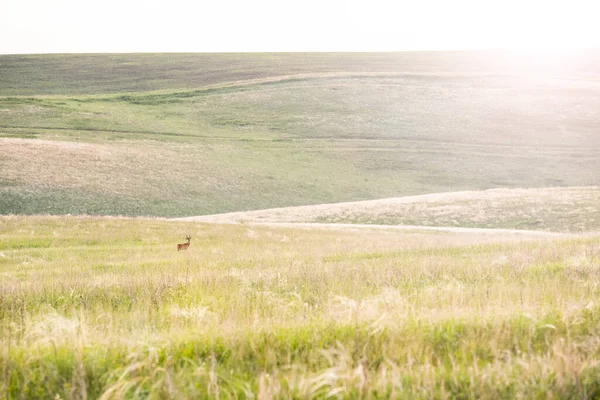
x=107 y=308
x=100 y=153
x=195 y=134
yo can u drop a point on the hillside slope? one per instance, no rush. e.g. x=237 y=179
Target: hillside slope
x=550 y=209
x=69 y=74
x=181 y=135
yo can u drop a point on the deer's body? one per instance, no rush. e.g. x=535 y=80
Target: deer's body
x=184 y=246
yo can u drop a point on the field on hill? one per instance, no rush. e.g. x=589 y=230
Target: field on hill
x=106 y=307
x=549 y=209
x=194 y=134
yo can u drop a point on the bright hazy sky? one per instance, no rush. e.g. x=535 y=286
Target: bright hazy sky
x=90 y=26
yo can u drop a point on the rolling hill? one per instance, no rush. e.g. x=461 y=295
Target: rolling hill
x=194 y=134
x=548 y=209
x=353 y=306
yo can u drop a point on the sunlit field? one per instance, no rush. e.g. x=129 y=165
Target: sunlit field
x=360 y=256
x=107 y=307
x=194 y=134
x=572 y=209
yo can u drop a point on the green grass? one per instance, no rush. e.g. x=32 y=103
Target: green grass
x=106 y=307
x=192 y=134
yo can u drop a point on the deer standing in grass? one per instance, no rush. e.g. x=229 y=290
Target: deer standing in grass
x=184 y=246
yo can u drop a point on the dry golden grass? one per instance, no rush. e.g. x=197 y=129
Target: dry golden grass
x=89 y=164
x=575 y=209
x=107 y=307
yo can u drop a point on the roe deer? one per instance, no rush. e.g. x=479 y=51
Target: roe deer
x=184 y=246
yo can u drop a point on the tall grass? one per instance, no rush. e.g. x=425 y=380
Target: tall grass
x=107 y=308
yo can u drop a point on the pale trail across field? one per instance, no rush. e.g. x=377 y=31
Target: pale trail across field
x=310 y=217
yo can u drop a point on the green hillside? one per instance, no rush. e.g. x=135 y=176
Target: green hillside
x=69 y=74
x=191 y=134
